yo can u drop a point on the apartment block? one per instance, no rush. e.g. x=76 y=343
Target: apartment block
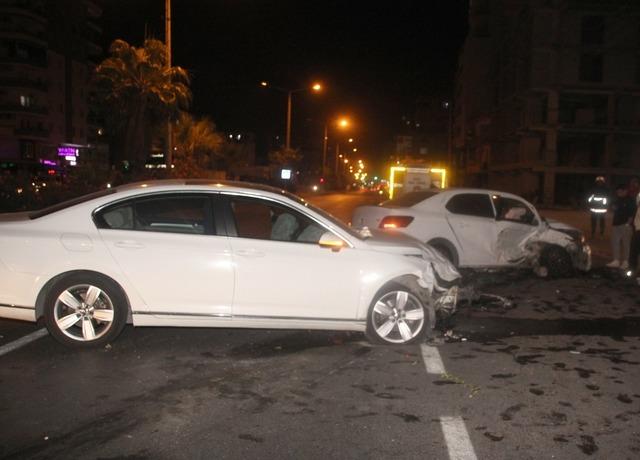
x=548 y=97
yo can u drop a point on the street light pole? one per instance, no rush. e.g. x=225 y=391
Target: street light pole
x=316 y=87
x=288 y=135
x=169 y=156
x=324 y=147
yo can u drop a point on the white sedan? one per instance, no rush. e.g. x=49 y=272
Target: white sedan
x=481 y=228
x=193 y=253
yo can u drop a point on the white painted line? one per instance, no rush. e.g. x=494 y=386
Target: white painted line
x=432 y=360
x=457 y=439
x=22 y=341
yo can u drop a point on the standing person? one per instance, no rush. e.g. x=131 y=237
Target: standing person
x=633 y=189
x=634 y=252
x=624 y=210
x=598 y=201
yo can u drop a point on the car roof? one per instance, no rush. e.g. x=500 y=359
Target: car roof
x=168 y=184
x=458 y=190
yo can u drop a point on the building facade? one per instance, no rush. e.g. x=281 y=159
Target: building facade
x=48 y=50
x=548 y=97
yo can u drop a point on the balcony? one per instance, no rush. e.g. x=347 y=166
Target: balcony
x=29 y=83
x=32 y=132
x=24 y=33
x=17 y=108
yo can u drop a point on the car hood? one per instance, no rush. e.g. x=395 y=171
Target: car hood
x=557 y=225
x=400 y=243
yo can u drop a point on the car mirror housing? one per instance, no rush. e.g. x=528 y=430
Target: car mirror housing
x=331 y=241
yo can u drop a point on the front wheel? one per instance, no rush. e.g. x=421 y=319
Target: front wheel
x=557 y=261
x=85 y=310
x=396 y=316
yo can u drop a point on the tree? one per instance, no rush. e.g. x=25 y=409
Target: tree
x=197 y=144
x=284 y=156
x=141 y=91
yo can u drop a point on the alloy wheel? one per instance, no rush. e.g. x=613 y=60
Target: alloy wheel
x=83 y=312
x=397 y=317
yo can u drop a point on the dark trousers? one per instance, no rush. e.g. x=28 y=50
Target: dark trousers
x=595 y=218
x=634 y=252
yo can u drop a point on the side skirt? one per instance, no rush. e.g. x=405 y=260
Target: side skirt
x=141 y=318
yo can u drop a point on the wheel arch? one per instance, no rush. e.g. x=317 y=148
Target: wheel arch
x=44 y=291
x=449 y=246
x=409 y=281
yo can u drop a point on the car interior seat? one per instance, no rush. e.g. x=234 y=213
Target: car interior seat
x=284 y=227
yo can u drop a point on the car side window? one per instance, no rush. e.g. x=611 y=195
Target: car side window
x=266 y=220
x=513 y=211
x=190 y=214
x=471 y=204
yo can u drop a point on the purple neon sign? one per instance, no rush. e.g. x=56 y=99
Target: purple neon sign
x=67 y=151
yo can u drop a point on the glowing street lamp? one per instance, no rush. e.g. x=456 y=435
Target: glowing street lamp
x=315 y=87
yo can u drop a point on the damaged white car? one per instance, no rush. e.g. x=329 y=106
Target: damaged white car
x=201 y=254
x=482 y=228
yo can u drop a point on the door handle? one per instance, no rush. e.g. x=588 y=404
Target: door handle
x=249 y=253
x=128 y=244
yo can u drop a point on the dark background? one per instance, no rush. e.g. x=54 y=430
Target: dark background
x=375 y=60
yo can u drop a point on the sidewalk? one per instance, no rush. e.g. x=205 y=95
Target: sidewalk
x=600 y=245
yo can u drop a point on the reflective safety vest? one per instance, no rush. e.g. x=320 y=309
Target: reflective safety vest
x=597 y=203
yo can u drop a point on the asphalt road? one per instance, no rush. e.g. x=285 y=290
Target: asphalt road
x=555 y=373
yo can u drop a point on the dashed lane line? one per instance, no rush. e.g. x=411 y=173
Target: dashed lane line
x=22 y=341
x=454 y=430
x=457 y=438
x=432 y=360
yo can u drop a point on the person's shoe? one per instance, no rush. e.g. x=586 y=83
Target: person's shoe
x=614 y=264
x=624 y=265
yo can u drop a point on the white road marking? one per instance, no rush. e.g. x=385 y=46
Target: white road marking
x=457 y=438
x=22 y=341
x=455 y=432
x=432 y=360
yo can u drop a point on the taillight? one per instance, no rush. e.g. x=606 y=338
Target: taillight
x=396 y=221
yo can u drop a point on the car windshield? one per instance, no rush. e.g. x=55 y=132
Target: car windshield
x=67 y=204
x=409 y=199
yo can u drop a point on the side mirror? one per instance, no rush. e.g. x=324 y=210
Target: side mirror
x=331 y=241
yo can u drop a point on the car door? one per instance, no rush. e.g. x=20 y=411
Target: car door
x=169 y=248
x=472 y=220
x=516 y=222
x=281 y=271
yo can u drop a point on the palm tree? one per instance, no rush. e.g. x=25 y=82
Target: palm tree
x=141 y=91
x=197 y=145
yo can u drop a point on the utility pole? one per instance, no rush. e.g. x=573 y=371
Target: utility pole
x=324 y=148
x=167 y=35
x=288 y=135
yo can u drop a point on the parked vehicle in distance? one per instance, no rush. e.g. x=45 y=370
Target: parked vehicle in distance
x=194 y=253
x=481 y=228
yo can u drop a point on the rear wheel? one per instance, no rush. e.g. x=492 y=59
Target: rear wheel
x=85 y=310
x=396 y=316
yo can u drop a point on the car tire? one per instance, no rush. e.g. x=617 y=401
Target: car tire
x=397 y=316
x=85 y=310
x=557 y=261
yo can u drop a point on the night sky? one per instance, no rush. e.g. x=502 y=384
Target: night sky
x=375 y=60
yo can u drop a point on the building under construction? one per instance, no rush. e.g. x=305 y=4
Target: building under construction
x=548 y=97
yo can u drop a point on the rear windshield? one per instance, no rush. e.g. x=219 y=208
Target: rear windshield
x=67 y=204
x=409 y=199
